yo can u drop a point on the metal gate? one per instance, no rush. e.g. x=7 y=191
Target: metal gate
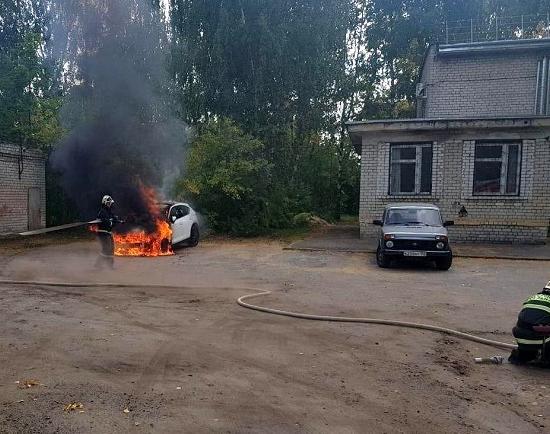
x=33 y=209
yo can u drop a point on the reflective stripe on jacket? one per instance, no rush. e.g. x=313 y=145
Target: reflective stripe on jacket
x=530 y=341
x=538 y=301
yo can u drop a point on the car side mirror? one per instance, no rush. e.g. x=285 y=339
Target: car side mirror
x=449 y=223
x=377 y=222
x=173 y=219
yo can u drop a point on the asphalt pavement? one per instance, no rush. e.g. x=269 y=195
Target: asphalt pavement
x=345 y=238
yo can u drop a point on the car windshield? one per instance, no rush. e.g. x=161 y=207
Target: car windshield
x=413 y=216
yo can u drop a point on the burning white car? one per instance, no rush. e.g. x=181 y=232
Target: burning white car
x=175 y=223
x=184 y=223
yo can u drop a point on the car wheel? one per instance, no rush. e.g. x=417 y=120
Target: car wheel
x=165 y=245
x=381 y=259
x=195 y=236
x=444 y=263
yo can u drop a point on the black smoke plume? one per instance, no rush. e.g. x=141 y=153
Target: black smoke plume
x=122 y=133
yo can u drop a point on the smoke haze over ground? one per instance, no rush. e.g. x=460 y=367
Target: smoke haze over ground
x=121 y=130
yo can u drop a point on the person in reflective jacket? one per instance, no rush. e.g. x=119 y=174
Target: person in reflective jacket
x=535 y=313
x=105 y=234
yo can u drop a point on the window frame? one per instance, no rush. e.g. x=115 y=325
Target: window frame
x=505 y=145
x=172 y=212
x=178 y=211
x=418 y=146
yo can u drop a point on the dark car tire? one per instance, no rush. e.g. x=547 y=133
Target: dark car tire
x=381 y=259
x=444 y=263
x=194 y=237
x=165 y=245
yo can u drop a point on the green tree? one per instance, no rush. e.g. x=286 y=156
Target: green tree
x=28 y=100
x=227 y=177
x=278 y=69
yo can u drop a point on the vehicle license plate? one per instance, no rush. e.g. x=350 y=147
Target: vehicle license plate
x=413 y=253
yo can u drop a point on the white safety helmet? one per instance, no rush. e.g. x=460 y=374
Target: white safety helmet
x=547 y=287
x=107 y=200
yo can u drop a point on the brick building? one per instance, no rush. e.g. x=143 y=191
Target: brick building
x=479 y=148
x=22 y=189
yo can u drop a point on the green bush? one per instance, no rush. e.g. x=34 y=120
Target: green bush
x=227 y=178
x=302 y=219
x=243 y=189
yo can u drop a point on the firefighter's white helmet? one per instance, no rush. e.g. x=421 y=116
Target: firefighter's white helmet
x=547 y=287
x=107 y=200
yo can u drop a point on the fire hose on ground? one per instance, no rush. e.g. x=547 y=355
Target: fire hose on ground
x=259 y=293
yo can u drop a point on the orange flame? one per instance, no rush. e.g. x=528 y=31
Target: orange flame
x=142 y=243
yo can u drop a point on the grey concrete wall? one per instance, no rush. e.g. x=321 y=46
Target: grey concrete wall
x=479 y=85
x=14 y=191
x=523 y=218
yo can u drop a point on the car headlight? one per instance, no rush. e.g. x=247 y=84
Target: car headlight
x=440 y=245
x=389 y=236
x=443 y=238
x=389 y=244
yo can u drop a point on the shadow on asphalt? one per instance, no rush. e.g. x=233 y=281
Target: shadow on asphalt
x=411 y=265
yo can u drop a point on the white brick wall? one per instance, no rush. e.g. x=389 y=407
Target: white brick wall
x=14 y=190
x=497 y=84
x=524 y=218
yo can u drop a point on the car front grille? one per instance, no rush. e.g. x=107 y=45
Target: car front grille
x=414 y=244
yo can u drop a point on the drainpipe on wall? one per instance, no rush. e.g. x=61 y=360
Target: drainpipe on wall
x=543 y=96
x=20 y=166
x=537 y=89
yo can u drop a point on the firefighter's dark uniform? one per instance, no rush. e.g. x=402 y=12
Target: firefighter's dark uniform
x=536 y=311
x=105 y=236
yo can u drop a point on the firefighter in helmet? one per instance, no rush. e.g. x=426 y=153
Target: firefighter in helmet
x=105 y=227
x=532 y=331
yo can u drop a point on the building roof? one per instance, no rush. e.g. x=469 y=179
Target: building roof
x=472 y=48
x=446 y=123
x=16 y=151
x=357 y=128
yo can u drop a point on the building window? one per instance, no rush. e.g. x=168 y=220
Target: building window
x=497 y=168
x=411 y=168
